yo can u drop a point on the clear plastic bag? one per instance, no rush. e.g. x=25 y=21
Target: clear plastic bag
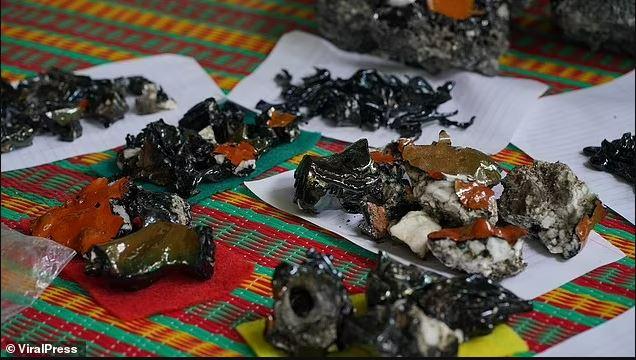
x=29 y=264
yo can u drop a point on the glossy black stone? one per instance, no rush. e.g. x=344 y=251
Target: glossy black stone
x=224 y=122
x=311 y=305
x=135 y=261
x=616 y=157
x=368 y=99
x=179 y=158
x=409 y=32
x=401 y=328
x=354 y=181
x=145 y=207
x=350 y=177
x=391 y=281
x=55 y=101
x=473 y=304
x=163 y=155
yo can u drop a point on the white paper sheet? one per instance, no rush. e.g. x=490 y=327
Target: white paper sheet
x=498 y=103
x=544 y=272
x=562 y=125
x=181 y=77
x=613 y=338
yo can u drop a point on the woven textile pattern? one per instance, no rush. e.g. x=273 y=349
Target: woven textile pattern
x=230 y=38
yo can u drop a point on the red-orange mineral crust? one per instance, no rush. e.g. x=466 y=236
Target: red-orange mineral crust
x=280 y=119
x=587 y=223
x=480 y=229
x=456 y=9
x=473 y=195
x=237 y=152
x=381 y=157
x=86 y=219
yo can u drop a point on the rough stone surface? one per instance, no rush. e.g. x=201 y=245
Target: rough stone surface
x=493 y=258
x=548 y=200
x=599 y=24
x=439 y=201
x=416 y=36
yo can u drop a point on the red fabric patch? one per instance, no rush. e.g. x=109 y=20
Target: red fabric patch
x=23 y=226
x=172 y=292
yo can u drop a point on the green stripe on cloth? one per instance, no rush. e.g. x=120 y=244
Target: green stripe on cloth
x=247 y=9
x=144 y=29
x=112 y=331
x=542 y=76
x=254 y=297
x=542 y=59
x=38 y=199
x=53 y=50
x=571 y=315
x=12 y=215
x=603 y=296
x=622 y=234
x=206 y=336
x=290 y=228
x=18 y=71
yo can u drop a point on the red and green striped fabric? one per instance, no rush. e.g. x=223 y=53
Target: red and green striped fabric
x=230 y=38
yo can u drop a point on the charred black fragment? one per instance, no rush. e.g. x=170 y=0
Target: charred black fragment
x=421 y=33
x=213 y=142
x=368 y=99
x=401 y=328
x=135 y=261
x=394 y=198
x=311 y=305
x=215 y=124
x=55 y=101
x=616 y=157
x=473 y=304
x=162 y=154
x=391 y=281
x=359 y=181
x=350 y=177
x=145 y=207
x=18 y=128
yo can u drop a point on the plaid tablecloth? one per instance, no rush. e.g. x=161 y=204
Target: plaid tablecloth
x=230 y=38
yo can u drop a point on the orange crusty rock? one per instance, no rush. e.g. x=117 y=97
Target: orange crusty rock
x=86 y=219
x=480 y=229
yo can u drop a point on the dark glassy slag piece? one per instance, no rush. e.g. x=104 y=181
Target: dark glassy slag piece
x=135 y=261
x=616 y=157
x=368 y=99
x=311 y=304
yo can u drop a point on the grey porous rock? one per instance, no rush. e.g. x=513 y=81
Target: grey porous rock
x=410 y=32
x=599 y=24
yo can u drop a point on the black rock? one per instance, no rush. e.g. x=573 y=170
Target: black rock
x=599 y=24
x=417 y=36
x=391 y=281
x=311 y=305
x=349 y=177
x=616 y=157
x=367 y=99
x=55 y=101
x=200 y=148
x=472 y=304
x=145 y=207
x=162 y=154
x=401 y=329
x=213 y=123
